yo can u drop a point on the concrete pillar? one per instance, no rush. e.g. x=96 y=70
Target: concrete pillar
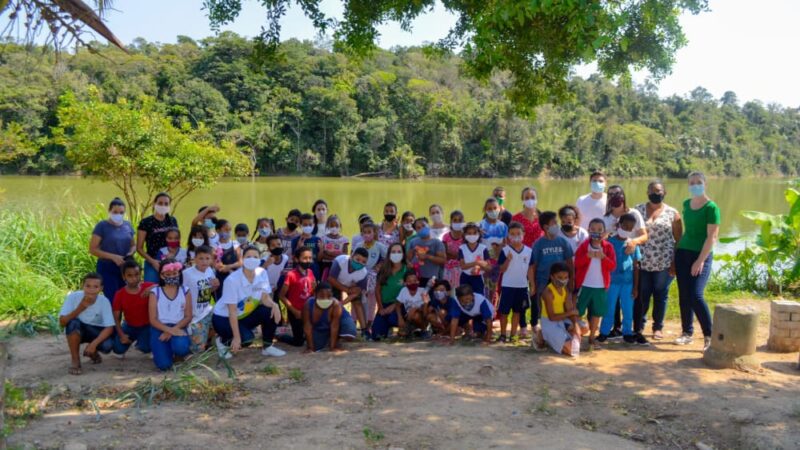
x=733 y=338
x=784 y=326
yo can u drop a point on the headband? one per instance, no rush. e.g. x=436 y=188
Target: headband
x=176 y=266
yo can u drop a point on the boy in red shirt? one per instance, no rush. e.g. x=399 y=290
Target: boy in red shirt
x=594 y=261
x=298 y=286
x=131 y=302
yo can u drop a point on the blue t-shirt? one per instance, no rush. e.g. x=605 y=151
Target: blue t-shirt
x=312 y=242
x=114 y=239
x=545 y=252
x=624 y=271
x=493 y=231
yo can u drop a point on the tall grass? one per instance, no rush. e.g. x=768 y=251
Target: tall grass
x=42 y=257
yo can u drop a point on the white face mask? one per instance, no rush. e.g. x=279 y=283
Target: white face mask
x=457 y=226
x=472 y=238
x=321 y=214
x=251 y=263
x=264 y=232
x=198 y=242
x=408 y=226
x=162 y=209
x=515 y=239
x=396 y=257
x=436 y=218
x=334 y=231
x=530 y=203
x=324 y=303
x=116 y=218
x=308 y=230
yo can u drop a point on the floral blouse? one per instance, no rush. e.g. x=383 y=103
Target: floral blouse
x=659 y=250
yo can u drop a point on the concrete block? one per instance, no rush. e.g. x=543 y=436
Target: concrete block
x=780 y=317
x=795 y=317
x=795 y=334
x=788 y=306
x=733 y=338
x=780 y=333
x=783 y=344
x=790 y=325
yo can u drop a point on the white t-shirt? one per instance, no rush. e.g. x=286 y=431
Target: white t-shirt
x=594 y=275
x=590 y=208
x=470 y=256
x=321 y=230
x=228 y=245
x=576 y=240
x=170 y=311
x=343 y=274
x=98 y=314
x=237 y=290
x=438 y=233
x=213 y=241
x=199 y=285
x=516 y=276
x=411 y=301
x=611 y=221
x=274 y=271
x=180 y=256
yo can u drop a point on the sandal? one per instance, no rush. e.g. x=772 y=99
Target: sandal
x=75 y=370
x=658 y=335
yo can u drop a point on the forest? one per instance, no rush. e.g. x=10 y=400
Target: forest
x=404 y=112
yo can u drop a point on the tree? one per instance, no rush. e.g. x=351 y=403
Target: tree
x=139 y=151
x=14 y=143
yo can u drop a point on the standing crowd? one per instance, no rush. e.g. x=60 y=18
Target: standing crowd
x=588 y=269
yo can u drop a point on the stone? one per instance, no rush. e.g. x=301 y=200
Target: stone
x=785 y=306
x=703 y=446
x=733 y=338
x=741 y=416
x=795 y=317
x=75 y=446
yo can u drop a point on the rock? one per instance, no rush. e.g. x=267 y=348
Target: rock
x=733 y=339
x=75 y=446
x=703 y=446
x=486 y=370
x=741 y=416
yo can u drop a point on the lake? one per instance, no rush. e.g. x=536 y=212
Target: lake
x=246 y=200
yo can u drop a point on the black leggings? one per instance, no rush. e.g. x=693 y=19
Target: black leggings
x=298 y=337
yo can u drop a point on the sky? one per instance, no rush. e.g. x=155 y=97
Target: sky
x=740 y=45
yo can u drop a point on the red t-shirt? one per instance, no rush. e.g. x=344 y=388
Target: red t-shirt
x=133 y=306
x=532 y=229
x=300 y=287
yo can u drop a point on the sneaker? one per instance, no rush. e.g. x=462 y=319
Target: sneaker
x=685 y=339
x=272 y=351
x=615 y=335
x=706 y=343
x=602 y=338
x=629 y=339
x=426 y=335
x=118 y=355
x=658 y=335
x=366 y=334
x=641 y=340
x=501 y=339
x=222 y=349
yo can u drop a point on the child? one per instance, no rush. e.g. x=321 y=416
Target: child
x=208 y=214
x=499 y=194
x=245 y=304
x=624 y=285
x=333 y=244
x=173 y=248
x=561 y=325
x=414 y=299
x=425 y=253
x=389 y=232
x=241 y=231
x=473 y=312
x=377 y=253
x=87 y=317
x=514 y=262
x=290 y=231
x=264 y=227
x=324 y=322
x=349 y=276
x=201 y=282
x=594 y=261
x=407 y=223
x=389 y=285
x=438 y=307
x=575 y=235
x=197 y=236
x=276 y=261
x=357 y=240
x=474 y=259
x=438 y=227
x=170 y=311
x=131 y=302
x=228 y=253
x=549 y=249
x=307 y=239
x=494 y=233
x=297 y=288
x=452 y=242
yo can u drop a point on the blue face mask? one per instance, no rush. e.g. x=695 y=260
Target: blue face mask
x=697 y=189
x=424 y=233
x=209 y=224
x=356 y=265
x=598 y=187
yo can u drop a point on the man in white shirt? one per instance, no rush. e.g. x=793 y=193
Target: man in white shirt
x=593 y=204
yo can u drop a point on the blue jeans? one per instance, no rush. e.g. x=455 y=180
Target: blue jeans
x=655 y=285
x=691 y=291
x=150 y=273
x=621 y=293
x=163 y=352
x=140 y=335
x=382 y=324
x=112 y=277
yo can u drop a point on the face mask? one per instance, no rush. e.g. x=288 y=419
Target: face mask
x=552 y=230
x=251 y=263
x=412 y=286
x=356 y=265
x=439 y=295
x=173 y=244
x=224 y=236
x=408 y=226
x=198 y=242
x=291 y=226
x=530 y=203
x=389 y=217
x=162 y=209
x=492 y=214
x=242 y=240
x=655 y=198
x=396 y=257
x=321 y=214
x=515 y=239
x=324 y=303
x=567 y=227
x=616 y=201
x=277 y=251
x=209 y=224
x=333 y=231
x=598 y=187
x=305 y=265
x=424 y=233
x=457 y=226
x=171 y=281
x=116 y=218
x=472 y=238
x=697 y=190
x=307 y=230
x=468 y=306
x=436 y=218
x=500 y=200
x=560 y=283
x=596 y=235
x=264 y=232
x=623 y=234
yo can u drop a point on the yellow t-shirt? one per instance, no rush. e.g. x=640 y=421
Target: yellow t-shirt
x=559 y=300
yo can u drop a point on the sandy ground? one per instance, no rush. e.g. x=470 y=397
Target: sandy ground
x=422 y=395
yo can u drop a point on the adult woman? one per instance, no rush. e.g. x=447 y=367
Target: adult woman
x=529 y=216
x=389 y=230
x=320 y=211
x=438 y=227
x=701 y=219
x=111 y=243
x=657 y=271
x=390 y=283
x=152 y=235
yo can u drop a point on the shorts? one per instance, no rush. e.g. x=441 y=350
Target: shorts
x=88 y=334
x=512 y=299
x=198 y=333
x=555 y=333
x=594 y=300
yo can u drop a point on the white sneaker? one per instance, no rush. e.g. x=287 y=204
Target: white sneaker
x=118 y=356
x=685 y=339
x=706 y=343
x=272 y=351
x=222 y=349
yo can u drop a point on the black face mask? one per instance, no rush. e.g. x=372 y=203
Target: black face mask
x=656 y=198
x=616 y=201
x=567 y=227
x=291 y=226
x=389 y=217
x=305 y=265
x=277 y=251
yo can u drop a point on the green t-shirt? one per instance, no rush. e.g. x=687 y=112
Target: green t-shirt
x=695 y=224
x=391 y=289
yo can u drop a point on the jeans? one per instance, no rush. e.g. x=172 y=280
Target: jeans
x=112 y=277
x=691 y=289
x=382 y=324
x=655 y=285
x=261 y=316
x=150 y=273
x=140 y=335
x=163 y=352
x=621 y=293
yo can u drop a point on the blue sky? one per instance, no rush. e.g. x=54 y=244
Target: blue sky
x=741 y=45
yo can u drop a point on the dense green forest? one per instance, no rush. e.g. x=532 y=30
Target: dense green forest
x=400 y=112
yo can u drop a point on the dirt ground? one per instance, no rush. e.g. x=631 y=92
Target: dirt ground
x=422 y=395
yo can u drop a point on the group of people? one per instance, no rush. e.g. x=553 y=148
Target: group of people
x=591 y=268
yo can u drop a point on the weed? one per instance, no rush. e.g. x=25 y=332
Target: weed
x=271 y=369
x=372 y=436
x=296 y=375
